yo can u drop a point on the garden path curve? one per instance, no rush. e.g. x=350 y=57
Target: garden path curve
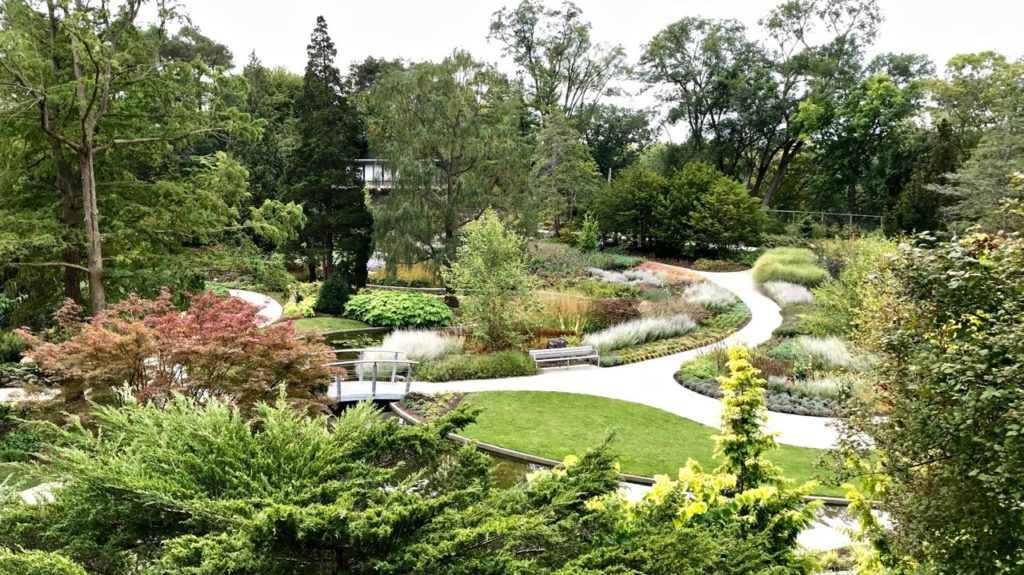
x=270 y=310
x=652 y=383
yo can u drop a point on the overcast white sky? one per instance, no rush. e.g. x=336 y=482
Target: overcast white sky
x=430 y=29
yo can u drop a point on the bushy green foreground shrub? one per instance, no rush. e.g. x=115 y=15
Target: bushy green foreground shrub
x=11 y=346
x=489 y=366
x=191 y=489
x=384 y=308
x=793 y=265
x=333 y=295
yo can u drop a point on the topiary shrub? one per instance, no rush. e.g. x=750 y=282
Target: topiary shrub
x=333 y=296
x=398 y=309
x=489 y=366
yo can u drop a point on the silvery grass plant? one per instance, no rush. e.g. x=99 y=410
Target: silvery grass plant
x=709 y=295
x=827 y=353
x=412 y=345
x=628 y=277
x=639 y=331
x=786 y=293
x=824 y=387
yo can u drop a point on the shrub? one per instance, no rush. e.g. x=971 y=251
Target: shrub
x=490 y=266
x=37 y=563
x=419 y=345
x=333 y=295
x=613 y=311
x=785 y=293
x=11 y=346
x=826 y=352
x=638 y=332
x=709 y=265
x=628 y=277
x=613 y=261
x=489 y=366
x=587 y=240
x=598 y=289
x=386 y=308
x=302 y=308
x=563 y=311
x=709 y=295
x=794 y=265
x=148 y=345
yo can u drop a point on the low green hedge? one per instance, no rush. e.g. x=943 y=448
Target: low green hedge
x=489 y=366
x=794 y=265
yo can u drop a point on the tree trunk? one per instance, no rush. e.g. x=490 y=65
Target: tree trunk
x=93 y=240
x=788 y=153
x=71 y=217
x=328 y=255
x=851 y=195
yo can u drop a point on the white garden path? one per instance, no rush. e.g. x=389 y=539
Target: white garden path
x=652 y=383
x=270 y=309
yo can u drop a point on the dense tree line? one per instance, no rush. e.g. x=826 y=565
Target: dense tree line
x=135 y=158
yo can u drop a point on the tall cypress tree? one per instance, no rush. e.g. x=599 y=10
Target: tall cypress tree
x=323 y=172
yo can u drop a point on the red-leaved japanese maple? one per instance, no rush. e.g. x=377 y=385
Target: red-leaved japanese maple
x=214 y=349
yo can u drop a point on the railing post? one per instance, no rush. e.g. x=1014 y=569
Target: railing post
x=408 y=378
x=337 y=386
x=394 y=368
x=373 y=385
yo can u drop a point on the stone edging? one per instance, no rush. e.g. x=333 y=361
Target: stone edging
x=413 y=418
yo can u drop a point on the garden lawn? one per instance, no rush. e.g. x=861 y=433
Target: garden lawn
x=324 y=324
x=647 y=441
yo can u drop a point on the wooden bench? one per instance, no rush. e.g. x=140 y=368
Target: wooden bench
x=565 y=356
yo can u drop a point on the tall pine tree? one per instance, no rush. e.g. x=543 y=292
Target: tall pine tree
x=323 y=172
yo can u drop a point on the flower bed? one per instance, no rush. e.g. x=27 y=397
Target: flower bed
x=774 y=399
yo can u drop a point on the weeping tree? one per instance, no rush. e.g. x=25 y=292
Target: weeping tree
x=450 y=134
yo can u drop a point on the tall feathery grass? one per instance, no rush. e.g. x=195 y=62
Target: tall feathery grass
x=793 y=265
x=826 y=352
x=639 y=331
x=786 y=293
x=628 y=277
x=411 y=345
x=709 y=295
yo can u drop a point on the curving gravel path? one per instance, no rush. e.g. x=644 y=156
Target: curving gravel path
x=270 y=310
x=652 y=383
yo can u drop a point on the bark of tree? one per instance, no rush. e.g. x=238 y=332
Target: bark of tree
x=788 y=153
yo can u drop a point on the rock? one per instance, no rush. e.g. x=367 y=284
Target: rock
x=557 y=343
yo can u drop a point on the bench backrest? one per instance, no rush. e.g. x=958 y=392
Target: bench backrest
x=566 y=352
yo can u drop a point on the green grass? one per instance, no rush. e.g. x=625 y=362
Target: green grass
x=327 y=324
x=647 y=441
x=794 y=265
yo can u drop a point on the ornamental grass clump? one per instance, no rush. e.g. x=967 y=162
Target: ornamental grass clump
x=638 y=332
x=420 y=345
x=786 y=293
x=709 y=295
x=794 y=265
x=632 y=277
x=825 y=352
